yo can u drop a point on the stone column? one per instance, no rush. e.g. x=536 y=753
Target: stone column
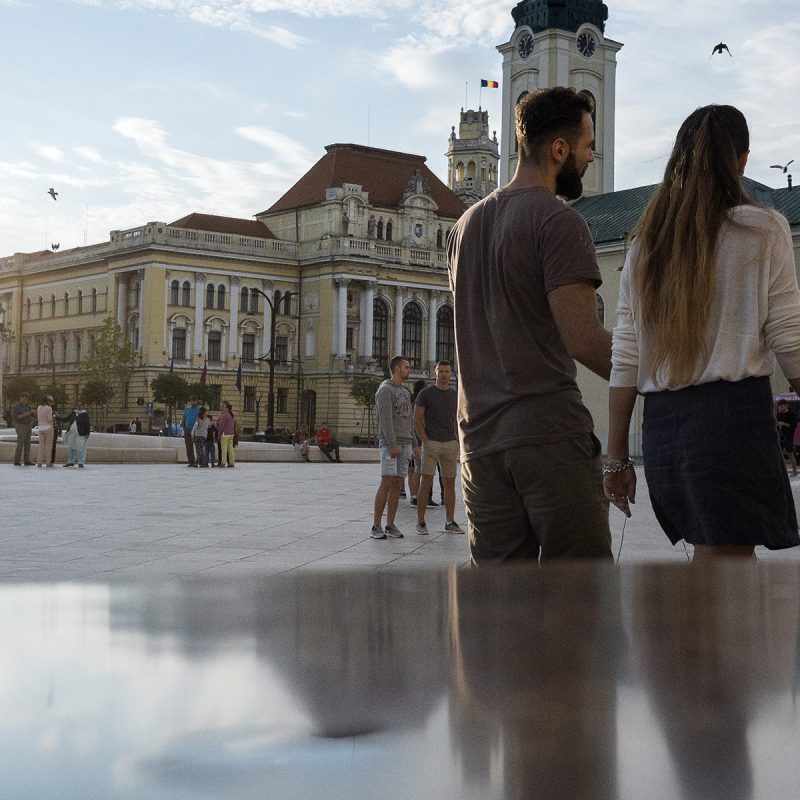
x=369 y=307
x=233 y=337
x=199 y=294
x=341 y=317
x=140 y=278
x=122 y=300
x=433 y=307
x=167 y=338
x=399 y=302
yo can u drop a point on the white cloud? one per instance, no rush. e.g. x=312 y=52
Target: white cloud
x=90 y=154
x=50 y=152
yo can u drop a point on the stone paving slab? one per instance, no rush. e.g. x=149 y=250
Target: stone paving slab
x=115 y=522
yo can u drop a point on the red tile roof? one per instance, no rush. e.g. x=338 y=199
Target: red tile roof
x=384 y=174
x=217 y=224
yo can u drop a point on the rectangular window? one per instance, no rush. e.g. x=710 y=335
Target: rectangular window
x=349 y=341
x=250 y=398
x=282 y=349
x=283 y=401
x=248 y=348
x=215 y=346
x=179 y=343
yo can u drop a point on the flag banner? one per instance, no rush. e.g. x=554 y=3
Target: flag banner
x=239 y=378
x=489 y=84
x=204 y=373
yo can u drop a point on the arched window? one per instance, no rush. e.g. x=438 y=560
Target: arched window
x=221 y=298
x=186 y=298
x=94 y=300
x=388 y=231
x=471 y=170
x=276 y=301
x=52 y=305
x=41 y=308
x=80 y=301
x=601 y=309
x=287 y=303
x=380 y=330
x=445 y=335
x=380 y=229
x=174 y=288
x=412 y=334
x=253 y=301
x=245 y=296
x=440 y=239
x=210 y=295
x=460 y=171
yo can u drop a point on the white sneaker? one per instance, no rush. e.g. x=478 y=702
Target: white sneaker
x=422 y=529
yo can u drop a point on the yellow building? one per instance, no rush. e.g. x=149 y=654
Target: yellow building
x=351 y=258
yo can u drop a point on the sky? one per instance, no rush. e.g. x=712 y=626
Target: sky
x=148 y=110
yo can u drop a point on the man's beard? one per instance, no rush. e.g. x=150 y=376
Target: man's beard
x=568 y=180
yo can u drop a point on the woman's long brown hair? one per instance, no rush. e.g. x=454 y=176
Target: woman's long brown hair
x=675 y=274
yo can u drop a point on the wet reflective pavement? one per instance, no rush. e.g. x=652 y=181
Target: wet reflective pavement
x=575 y=681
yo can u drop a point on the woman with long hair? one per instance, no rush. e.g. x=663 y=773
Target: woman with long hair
x=708 y=301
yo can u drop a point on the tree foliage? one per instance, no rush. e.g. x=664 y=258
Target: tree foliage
x=171 y=390
x=207 y=394
x=15 y=386
x=107 y=368
x=363 y=392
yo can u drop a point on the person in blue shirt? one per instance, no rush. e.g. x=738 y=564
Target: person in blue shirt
x=188 y=418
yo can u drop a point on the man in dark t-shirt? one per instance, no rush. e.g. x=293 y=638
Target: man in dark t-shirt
x=523 y=271
x=435 y=423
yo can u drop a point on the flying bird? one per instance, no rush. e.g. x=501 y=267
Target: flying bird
x=55 y=246
x=784 y=168
x=719 y=48
x=53 y=193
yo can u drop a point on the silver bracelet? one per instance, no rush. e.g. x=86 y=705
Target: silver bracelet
x=618 y=466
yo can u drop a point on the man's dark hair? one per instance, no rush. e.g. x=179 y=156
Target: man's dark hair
x=395 y=362
x=444 y=364
x=547 y=114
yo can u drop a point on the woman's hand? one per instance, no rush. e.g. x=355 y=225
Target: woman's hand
x=620 y=489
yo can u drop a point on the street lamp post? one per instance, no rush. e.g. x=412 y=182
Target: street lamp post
x=270 y=357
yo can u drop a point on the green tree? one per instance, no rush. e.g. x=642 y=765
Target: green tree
x=171 y=390
x=15 y=386
x=363 y=392
x=110 y=363
x=207 y=394
x=97 y=395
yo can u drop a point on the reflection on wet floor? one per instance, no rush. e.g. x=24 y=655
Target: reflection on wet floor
x=579 y=681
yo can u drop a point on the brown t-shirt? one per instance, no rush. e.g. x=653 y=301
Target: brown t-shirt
x=516 y=381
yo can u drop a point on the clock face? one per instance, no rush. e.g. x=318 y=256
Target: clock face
x=586 y=44
x=525 y=45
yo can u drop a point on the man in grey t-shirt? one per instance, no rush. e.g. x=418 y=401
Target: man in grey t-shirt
x=395 y=420
x=523 y=272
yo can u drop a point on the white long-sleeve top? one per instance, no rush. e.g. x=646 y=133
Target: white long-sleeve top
x=754 y=316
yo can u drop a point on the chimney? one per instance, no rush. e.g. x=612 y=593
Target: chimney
x=789 y=181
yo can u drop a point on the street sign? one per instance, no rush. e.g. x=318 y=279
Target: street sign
x=149 y=409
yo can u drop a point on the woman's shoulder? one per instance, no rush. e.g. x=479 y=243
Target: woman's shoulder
x=758 y=216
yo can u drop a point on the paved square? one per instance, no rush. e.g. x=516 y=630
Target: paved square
x=114 y=522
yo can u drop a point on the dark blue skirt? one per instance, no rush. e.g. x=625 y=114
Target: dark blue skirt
x=714 y=467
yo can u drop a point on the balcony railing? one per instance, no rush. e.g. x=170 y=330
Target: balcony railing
x=377 y=249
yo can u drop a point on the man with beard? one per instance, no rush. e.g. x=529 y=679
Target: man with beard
x=523 y=272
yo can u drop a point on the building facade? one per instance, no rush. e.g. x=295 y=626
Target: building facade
x=350 y=262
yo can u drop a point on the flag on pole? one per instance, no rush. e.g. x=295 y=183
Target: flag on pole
x=489 y=84
x=239 y=378
x=204 y=373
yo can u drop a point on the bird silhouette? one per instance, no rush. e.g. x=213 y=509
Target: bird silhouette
x=783 y=168
x=53 y=193
x=55 y=246
x=719 y=48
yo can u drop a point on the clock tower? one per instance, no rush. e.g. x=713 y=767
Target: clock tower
x=562 y=43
